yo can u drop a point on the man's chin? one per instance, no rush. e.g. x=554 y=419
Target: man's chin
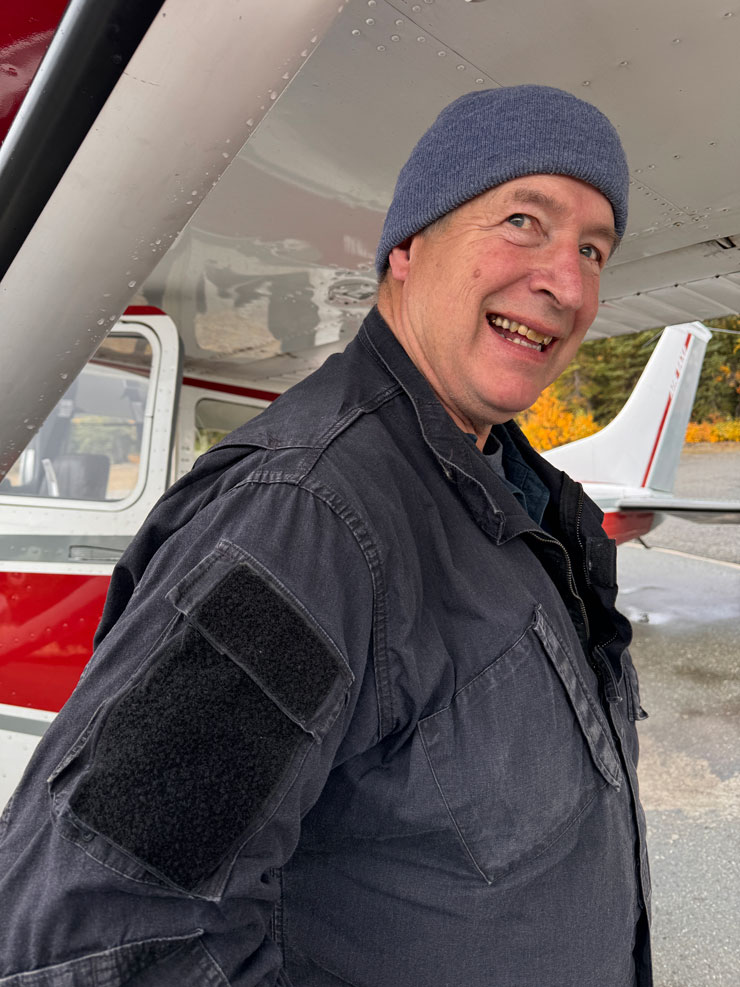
x=503 y=409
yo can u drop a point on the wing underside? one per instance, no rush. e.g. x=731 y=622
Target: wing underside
x=269 y=268
x=700 y=511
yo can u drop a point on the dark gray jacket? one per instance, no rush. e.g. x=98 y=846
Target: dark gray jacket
x=352 y=718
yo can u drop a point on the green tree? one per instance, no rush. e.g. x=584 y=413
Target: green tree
x=604 y=372
x=718 y=394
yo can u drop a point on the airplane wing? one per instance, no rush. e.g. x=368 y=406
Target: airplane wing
x=700 y=511
x=266 y=266
x=133 y=115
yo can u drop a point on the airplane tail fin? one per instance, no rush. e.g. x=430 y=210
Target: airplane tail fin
x=642 y=445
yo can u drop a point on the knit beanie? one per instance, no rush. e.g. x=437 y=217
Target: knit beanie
x=491 y=136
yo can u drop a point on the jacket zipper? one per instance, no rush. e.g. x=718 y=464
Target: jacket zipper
x=571 y=578
x=579 y=514
x=600 y=663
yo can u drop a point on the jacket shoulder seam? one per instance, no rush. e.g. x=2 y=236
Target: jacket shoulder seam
x=362 y=532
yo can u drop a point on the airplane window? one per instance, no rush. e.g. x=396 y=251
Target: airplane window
x=215 y=419
x=89 y=448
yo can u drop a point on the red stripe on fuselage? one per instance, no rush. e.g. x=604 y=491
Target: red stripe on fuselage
x=47 y=624
x=143 y=310
x=243 y=392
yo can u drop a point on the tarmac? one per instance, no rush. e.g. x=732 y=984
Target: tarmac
x=682 y=595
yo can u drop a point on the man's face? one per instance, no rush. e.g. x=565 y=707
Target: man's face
x=528 y=253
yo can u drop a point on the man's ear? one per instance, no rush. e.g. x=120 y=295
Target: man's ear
x=399 y=260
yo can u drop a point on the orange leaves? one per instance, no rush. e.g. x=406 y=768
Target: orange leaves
x=720 y=430
x=549 y=422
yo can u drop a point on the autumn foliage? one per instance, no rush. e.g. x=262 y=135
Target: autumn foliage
x=595 y=385
x=549 y=422
x=714 y=431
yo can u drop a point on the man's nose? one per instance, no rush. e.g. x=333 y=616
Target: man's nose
x=561 y=275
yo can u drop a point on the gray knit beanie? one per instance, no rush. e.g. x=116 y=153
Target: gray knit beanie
x=488 y=137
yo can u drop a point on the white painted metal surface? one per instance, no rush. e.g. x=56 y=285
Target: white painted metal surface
x=640 y=448
x=278 y=261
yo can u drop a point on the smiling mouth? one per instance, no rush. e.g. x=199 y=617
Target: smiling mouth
x=515 y=332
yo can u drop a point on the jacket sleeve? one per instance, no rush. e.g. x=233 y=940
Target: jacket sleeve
x=144 y=843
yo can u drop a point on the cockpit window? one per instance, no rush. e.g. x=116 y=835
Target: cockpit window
x=214 y=419
x=89 y=448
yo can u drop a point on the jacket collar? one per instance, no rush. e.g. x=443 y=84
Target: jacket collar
x=488 y=499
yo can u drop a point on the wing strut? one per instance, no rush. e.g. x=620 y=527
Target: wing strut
x=91 y=48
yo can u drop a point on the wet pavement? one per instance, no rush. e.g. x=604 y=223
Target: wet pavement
x=686 y=617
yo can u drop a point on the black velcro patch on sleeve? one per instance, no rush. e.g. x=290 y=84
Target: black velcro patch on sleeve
x=187 y=760
x=262 y=632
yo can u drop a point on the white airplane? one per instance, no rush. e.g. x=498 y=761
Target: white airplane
x=629 y=467
x=231 y=168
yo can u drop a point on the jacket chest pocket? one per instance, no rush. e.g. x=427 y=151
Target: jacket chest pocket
x=520 y=752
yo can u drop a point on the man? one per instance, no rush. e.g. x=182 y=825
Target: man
x=361 y=710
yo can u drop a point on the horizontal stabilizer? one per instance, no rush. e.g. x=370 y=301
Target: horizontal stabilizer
x=701 y=511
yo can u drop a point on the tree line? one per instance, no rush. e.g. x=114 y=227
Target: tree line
x=604 y=372
x=597 y=383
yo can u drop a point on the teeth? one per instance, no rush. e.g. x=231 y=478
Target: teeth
x=521 y=329
x=521 y=342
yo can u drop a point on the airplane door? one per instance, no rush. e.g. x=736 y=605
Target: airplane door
x=68 y=509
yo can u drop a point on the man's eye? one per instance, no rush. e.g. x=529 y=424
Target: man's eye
x=520 y=220
x=593 y=253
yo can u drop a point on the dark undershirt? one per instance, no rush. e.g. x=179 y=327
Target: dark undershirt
x=504 y=459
